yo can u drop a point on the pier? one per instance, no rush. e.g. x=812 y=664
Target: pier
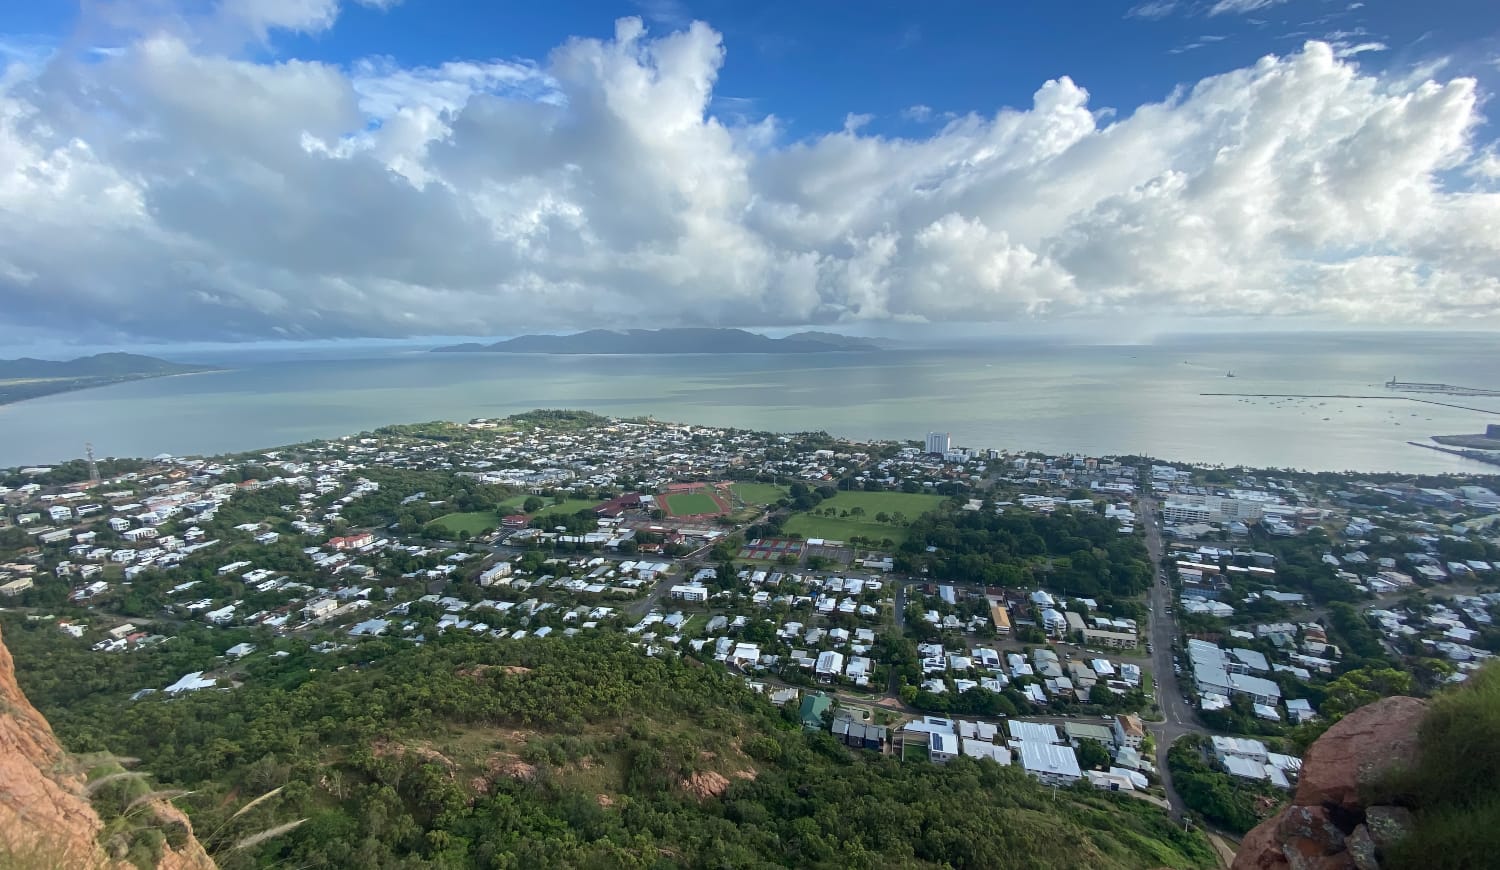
x=1450 y=389
x=1476 y=455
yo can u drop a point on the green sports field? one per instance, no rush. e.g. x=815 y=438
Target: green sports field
x=569 y=506
x=473 y=522
x=758 y=493
x=682 y=504
x=839 y=528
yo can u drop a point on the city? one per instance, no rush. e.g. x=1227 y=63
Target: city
x=1077 y=617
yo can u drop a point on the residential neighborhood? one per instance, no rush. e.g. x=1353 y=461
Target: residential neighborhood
x=1198 y=602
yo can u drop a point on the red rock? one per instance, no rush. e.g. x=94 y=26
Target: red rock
x=1357 y=750
x=1261 y=849
x=45 y=818
x=1311 y=829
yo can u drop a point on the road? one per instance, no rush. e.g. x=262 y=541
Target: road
x=1177 y=716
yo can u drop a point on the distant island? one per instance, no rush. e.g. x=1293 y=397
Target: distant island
x=666 y=341
x=28 y=378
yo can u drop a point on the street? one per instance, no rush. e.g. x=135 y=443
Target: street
x=1177 y=716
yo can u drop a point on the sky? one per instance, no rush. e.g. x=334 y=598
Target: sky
x=327 y=170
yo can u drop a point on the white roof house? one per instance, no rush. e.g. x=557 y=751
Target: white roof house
x=1052 y=764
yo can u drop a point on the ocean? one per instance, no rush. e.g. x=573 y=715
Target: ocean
x=1141 y=399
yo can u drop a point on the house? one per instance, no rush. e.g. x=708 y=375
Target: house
x=689 y=592
x=320 y=608
x=1080 y=731
x=812 y=710
x=1051 y=764
x=942 y=747
x=15 y=587
x=976 y=748
x=830 y=664
x=1034 y=732
x=494 y=573
x=1300 y=710
x=352 y=542
x=1109 y=639
x=860 y=735
x=1129 y=731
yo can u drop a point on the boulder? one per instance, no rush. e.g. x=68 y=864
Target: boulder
x=1261 y=848
x=1357 y=750
x=1387 y=825
x=1310 y=840
x=1362 y=848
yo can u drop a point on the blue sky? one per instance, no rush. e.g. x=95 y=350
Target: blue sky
x=859 y=163
x=814 y=63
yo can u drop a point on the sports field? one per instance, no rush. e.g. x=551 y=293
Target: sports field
x=567 y=508
x=473 y=523
x=871 y=504
x=686 y=504
x=758 y=493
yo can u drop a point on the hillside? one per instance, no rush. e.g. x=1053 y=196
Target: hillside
x=29 y=378
x=47 y=817
x=668 y=341
x=1400 y=784
x=553 y=753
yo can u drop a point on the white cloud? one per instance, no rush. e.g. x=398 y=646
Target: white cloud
x=1241 y=7
x=1152 y=10
x=164 y=191
x=263 y=16
x=1359 y=48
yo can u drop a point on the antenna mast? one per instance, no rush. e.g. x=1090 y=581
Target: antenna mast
x=88 y=451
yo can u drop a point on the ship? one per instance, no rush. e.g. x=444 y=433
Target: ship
x=1229 y=374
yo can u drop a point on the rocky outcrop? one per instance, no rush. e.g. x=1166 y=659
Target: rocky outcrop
x=45 y=819
x=1327 y=826
x=1358 y=748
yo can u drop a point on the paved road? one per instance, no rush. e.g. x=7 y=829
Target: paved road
x=1177 y=716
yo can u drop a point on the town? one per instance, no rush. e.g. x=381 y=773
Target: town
x=1138 y=626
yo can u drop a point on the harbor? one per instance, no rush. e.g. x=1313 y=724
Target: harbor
x=1449 y=389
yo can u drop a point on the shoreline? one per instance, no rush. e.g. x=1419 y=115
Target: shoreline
x=124 y=379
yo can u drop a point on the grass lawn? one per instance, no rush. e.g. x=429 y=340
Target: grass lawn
x=473 y=523
x=758 y=493
x=567 y=508
x=913 y=505
x=683 y=504
x=513 y=504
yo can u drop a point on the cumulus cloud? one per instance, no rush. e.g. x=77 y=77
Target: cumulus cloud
x=168 y=191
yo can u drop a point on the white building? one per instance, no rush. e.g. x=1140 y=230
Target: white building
x=690 y=592
x=939 y=443
x=1049 y=763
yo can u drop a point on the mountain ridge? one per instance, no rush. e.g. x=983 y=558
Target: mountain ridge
x=96 y=365
x=32 y=378
x=692 y=340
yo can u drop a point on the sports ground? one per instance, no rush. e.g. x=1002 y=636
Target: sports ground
x=694 y=500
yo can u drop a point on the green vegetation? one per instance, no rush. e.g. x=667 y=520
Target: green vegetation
x=1451 y=787
x=465 y=752
x=556 y=511
x=872 y=516
x=688 y=503
x=1235 y=805
x=761 y=494
x=472 y=522
x=1078 y=553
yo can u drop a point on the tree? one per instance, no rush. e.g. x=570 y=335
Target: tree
x=1092 y=755
x=532 y=504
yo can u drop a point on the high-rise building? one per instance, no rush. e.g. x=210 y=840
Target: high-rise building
x=938 y=442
